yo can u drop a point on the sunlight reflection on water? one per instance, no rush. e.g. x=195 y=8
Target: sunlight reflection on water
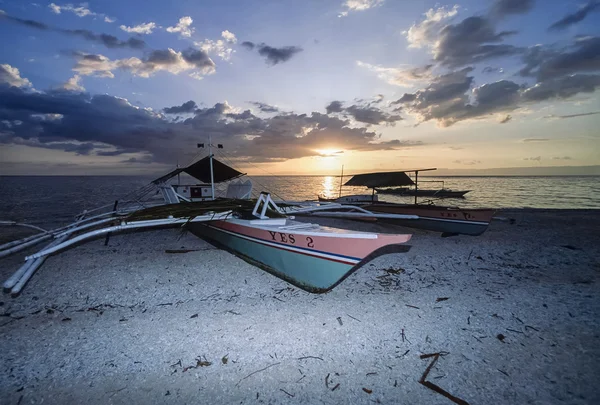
x=40 y=199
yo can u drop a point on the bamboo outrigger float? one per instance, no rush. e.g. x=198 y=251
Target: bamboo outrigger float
x=313 y=257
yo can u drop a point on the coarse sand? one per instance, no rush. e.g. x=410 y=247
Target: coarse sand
x=515 y=314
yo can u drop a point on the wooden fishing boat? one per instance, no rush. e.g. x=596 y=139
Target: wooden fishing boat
x=444 y=219
x=313 y=257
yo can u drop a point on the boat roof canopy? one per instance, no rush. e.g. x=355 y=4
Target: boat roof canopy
x=382 y=179
x=201 y=171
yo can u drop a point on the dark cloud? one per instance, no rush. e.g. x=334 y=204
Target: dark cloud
x=187 y=107
x=573 y=115
x=110 y=41
x=67 y=120
x=371 y=115
x=446 y=99
x=471 y=41
x=29 y=23
x=576 y=17
x=583 y=56
x=273 y=55
x=502 y=8
x=198 y=58
x=562 y=87
x=266 y=108
x=248 y=45
x=334 y=107
x=365 y=113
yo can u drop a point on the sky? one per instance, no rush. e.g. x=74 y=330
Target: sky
x=298 y=87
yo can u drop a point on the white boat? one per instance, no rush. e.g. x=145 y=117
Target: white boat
x=313 y=257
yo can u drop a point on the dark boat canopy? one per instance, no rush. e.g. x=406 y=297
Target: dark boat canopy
x=382 y=179
x=201 y=171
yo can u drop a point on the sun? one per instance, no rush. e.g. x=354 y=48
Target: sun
x=329 y=152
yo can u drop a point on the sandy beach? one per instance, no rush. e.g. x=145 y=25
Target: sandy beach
x=513 y=313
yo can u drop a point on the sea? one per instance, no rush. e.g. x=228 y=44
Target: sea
x=56 y=199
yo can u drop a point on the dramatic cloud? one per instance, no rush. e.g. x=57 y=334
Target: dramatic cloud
x=272 y=55
x=74 y=84
x=11 y=76
x=145 y=28
x=366 y=114
x=583 y=56
x=334 y=107
x=183 y=27
x=67 y=120
x=502 y=8
x=371 y=115
x=220 y=47
x=359 y=5
x=400 y=77
x=472 y=40
x=185 y=108
x=576 y=17
x=195 y=62
x=425 y=33
x=263 y=107
x=446 y=100
x=110 y=41
x=562 y=87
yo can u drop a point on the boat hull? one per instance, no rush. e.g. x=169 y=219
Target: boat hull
x=424 y=193
x=438 y=219
x=313 y=263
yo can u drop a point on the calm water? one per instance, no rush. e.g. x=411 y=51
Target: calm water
x=45 y=199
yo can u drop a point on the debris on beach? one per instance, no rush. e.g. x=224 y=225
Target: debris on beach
x=433 y=386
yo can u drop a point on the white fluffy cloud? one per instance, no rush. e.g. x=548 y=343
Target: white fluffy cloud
x=183 y=27
x=220 y=47
x=79 y=11
x=400 y=77
x=359 y=5
x=145 y=28
x=74 y=84
x=427 y=31
x=10 y=75
x=194 y=62
x=229 y=36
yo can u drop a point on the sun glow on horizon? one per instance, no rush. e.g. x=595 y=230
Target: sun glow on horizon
x=329 y=152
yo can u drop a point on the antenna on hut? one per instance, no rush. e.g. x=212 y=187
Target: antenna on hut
x=210 y=157
x=341 y=181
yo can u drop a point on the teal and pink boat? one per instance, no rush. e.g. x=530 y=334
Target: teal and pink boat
x=313 y=257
